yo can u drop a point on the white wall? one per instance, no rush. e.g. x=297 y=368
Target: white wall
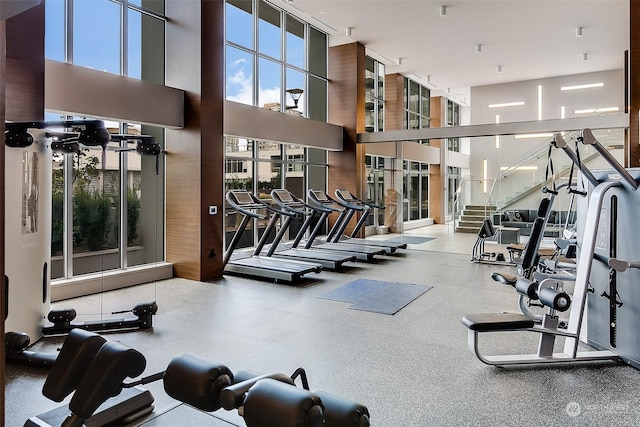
x=536 y=107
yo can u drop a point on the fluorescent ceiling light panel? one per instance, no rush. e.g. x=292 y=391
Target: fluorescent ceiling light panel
x=506 y=104
x=533 y=135
x=519 y=168
x=597 y=110
x=585 y=86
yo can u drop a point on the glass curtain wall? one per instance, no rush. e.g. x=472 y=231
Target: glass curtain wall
x=453 y=119
x=416 y=106
x=377 y=181
x=415 y=190
x=107 y=205
x=416 y=174
x=274 y=61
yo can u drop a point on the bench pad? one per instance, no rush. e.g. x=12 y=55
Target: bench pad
x=488 y=322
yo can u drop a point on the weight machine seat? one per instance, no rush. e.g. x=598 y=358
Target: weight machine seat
x=272 y=403
x=196 y=382
x=505 y=278
x=78 y=351
x=494 y=322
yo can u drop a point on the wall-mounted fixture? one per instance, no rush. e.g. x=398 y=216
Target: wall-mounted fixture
x=93 y=133
x=478 y=48
x=579 y=32
x=499 y=69
x=443 y=10
x=295 y=95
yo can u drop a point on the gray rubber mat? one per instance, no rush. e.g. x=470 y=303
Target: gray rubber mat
x=376 y=296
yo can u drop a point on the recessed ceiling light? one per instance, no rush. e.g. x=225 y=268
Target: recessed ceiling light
x=533 y=135
x=507 y=104
x=585 y=86
x=597 y=110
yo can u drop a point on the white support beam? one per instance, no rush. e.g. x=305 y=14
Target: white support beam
x=609 y=121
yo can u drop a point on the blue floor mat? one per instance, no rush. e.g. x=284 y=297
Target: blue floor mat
x=412 y=240
x=354 y=291
x=376 y=296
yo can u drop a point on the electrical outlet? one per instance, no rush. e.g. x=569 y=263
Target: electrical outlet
x=213 y=210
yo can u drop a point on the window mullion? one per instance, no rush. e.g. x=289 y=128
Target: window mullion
x=124 y=39
x=68 y=30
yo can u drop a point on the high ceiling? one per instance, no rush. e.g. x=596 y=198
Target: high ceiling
x=528 y=39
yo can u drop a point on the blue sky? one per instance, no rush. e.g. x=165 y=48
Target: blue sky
x=96 y=44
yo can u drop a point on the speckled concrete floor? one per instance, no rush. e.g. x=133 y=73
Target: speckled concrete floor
x=410 y=369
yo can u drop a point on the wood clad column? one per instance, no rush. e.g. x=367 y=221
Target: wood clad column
x=195 y=159
x=436 y=172
x=21 y=99
x=3 y=79
x=632 y=146
x=346 y=108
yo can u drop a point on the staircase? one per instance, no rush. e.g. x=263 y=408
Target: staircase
x=472 y=217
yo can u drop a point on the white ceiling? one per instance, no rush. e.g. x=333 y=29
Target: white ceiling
x=529 y=39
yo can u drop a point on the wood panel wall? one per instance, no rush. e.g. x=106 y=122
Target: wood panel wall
x=393 y=102
x=3 y=79
x=25 y=65
x=632 y=146
x=437 y=171
x=346 y=108
x=195 y=154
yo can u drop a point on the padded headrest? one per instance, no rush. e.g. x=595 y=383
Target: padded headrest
x=543 y=209
x=273 y=403
x=78 y=351
x=113 y=363
x=339 y=412
x=196 y=382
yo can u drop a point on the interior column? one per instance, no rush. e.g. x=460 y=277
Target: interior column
x=195 y=159
x=346 y=108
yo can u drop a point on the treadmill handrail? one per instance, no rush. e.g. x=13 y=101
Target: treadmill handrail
x=344 y=202
x=290 y=205
x=357 y=200
x=316 y=201
x=257 y=204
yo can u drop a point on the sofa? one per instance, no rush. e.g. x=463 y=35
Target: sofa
x=524 y=218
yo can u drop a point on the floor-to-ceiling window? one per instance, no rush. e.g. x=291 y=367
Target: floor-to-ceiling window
x=377 y=181
x=107 y=205
x=274 y=166
x=453 y=119
x=374 y=95
x=415 y=190
x=416 y=174
x=416 y=106
x=275 y=61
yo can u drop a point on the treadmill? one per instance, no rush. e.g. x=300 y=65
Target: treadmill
x=363 y=252
x=296 y=208
x=352 y=205
x=252 y=264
